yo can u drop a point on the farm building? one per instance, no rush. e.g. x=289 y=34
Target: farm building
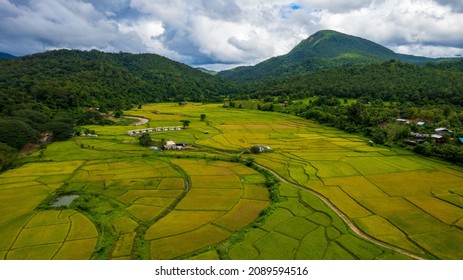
x=170 y=145
x=404 y=121
x=443 y=131
x=262 y=149
x=420 y=123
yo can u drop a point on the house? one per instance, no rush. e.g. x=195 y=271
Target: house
x=165 y=128
x=443 y=131
x=154 y=148
x=420 y=123
x=460 y=140
x=181 y=144
x=404 y=121
x=158 y=129
x=178 y=128
x=437 y=137
x=170 y=145
x=263 y=149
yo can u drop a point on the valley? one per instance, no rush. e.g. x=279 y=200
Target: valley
x=205 y=203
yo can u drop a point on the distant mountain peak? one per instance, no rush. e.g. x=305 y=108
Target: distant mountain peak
x=6 y=55
x=323 y=49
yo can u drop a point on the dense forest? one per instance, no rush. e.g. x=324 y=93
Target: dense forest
x=67 y=79
x=393 y=80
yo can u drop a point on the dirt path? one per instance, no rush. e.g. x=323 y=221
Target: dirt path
x=140 y=121
x=343 y=216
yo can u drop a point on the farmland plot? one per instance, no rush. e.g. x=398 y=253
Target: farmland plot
x=217 y=205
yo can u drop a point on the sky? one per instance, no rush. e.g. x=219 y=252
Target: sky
x=222 y=34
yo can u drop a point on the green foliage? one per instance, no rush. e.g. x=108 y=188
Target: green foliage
x=255 y=149
x=390 y=81
x=145 y=140
x=16 y=133
x=7 y=156
x=235 y=158
x=69 y=79
x=249 y=161
x=202 y=117
x=185 y=123
x=61 y=131
x=379 y=136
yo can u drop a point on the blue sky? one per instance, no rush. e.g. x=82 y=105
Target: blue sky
x=222 y=34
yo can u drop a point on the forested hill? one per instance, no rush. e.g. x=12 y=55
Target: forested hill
x=323 y=50
x=6 y=55
x=65 y=79
x=389 y=81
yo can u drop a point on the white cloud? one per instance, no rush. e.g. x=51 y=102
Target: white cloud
x=225 y=31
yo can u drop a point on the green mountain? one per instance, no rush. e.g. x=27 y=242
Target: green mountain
x=323 y=50
x=6 y=55
x=65 y=79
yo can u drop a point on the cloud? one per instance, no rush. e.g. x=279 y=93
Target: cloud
x=225 y=32
x=401 y=23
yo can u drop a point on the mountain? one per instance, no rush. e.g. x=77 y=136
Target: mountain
x=324 y=49
x=66 y=79
x=6 y=55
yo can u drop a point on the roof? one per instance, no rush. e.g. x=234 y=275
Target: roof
x=170 y=142
x=461 y=140
x=442 y=129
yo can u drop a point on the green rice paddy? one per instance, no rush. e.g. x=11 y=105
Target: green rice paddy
x=135 y=203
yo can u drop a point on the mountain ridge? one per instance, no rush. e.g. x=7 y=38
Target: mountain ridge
x=7 y=55
x=324 y=49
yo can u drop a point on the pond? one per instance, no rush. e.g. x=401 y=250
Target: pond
x=64 y=200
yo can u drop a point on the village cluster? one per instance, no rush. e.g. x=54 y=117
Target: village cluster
x=437 y=136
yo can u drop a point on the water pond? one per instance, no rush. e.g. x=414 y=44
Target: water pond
x=64 y=200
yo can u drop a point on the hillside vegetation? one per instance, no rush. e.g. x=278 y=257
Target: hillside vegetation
x=67 y=79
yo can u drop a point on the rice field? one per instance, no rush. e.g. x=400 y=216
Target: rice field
x=137 y=203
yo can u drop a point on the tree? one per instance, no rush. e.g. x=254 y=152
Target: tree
x=255 y=149
x=185 y=123
x=145 y=140
x=7 y=155
x=61 y=131
x=379 y=136
x=235 y=158
x=249 y=161
x=16 y=133
x=203 y=117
